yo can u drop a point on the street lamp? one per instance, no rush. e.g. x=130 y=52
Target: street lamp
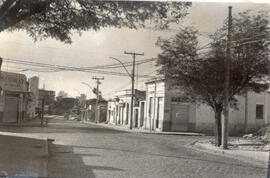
x=88 y=85
x=122 y=65
x=132 y=88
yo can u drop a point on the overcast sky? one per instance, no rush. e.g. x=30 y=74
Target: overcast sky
x=95 y=48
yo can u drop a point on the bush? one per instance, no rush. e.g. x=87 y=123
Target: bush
x=266 y=138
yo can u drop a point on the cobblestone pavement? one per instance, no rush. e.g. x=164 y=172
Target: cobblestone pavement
x=82 y=150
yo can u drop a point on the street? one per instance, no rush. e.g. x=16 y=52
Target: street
x=85 y=150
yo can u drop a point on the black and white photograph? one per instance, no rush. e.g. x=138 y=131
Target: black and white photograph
x=134 y=89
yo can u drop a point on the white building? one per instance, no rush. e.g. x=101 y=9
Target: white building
x=167 y=112
x=119 y=109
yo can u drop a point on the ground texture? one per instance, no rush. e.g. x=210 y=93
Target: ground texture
x=82 y=150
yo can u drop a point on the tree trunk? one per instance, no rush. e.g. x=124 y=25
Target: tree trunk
x=218 y=127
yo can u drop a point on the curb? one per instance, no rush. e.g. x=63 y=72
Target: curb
x=114 y=127
x=242 y=155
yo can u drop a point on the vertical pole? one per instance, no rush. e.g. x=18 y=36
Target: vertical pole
x=97 y=99
x=132 y=92
x=42 y=112
x=246 y=112
x=132 y=86
x=225 y=120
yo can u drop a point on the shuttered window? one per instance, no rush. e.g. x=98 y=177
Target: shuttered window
x=259 y=111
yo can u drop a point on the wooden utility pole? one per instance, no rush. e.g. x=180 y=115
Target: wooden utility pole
x=225 y=120
x=42 y=112
x=97 y=100
x=132 y=84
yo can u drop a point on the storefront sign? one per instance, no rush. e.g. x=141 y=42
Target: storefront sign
x=13 y=81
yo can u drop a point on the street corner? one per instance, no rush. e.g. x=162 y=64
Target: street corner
x=23 y=156
x=256 y=156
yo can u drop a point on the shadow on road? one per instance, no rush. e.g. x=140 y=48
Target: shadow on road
x=60 y=126
x=171 y=156
x=64 y=162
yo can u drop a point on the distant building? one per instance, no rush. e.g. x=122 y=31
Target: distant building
x=119 y=109
x=89 y=111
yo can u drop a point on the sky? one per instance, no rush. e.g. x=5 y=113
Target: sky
x=94 y=48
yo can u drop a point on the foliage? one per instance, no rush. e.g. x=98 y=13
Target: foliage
x=201 y=75
x=65 y=105
x=59 y=18
x=61 y=94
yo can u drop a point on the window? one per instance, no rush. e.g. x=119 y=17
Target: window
x=259 y=111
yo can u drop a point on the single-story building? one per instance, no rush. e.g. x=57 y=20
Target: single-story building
x=166 y=111
x=14 y=96
x=89 y=110
x=119 y=109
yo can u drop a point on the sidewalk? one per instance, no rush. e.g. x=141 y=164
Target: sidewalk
x=22 y=156
x=258 y=157
x=143 y=131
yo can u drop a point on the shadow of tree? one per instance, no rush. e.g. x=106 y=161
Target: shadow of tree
x=170 y=156
x=63 y=162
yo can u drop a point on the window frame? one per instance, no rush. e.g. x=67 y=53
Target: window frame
x=257 y=116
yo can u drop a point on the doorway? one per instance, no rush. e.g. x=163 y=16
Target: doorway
x=11 y=109
x=180 y=117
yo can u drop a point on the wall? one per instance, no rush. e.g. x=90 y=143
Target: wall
x=205 y=115
x=253 y=99
x=12 y=84
x=120 y=108
x=154 y=90
x=176 y=92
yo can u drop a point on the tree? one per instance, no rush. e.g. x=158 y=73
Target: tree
x=59 y=18
x=201 y=75
x=62 y=94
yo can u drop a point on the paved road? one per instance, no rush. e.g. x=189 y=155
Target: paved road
x=82 y=150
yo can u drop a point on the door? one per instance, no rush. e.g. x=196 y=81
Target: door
x=127 y=113
x=136 y=117
x=11 y=109
x=159 y=111
x=179 y=117
x=142 y=114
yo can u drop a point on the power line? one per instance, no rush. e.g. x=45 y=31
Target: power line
x=57 y=68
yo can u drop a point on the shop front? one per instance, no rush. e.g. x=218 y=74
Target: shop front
x=13 y=97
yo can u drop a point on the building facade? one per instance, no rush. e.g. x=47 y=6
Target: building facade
x=14 y=96
x=89 y=111
x=119 y=109
x=167 y=110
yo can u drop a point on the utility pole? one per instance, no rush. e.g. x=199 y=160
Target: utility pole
x=132 y=84
x=97 y=100
x=225 y=120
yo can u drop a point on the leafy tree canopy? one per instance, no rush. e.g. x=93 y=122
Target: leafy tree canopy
x=59 y=18
x=202 y=74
